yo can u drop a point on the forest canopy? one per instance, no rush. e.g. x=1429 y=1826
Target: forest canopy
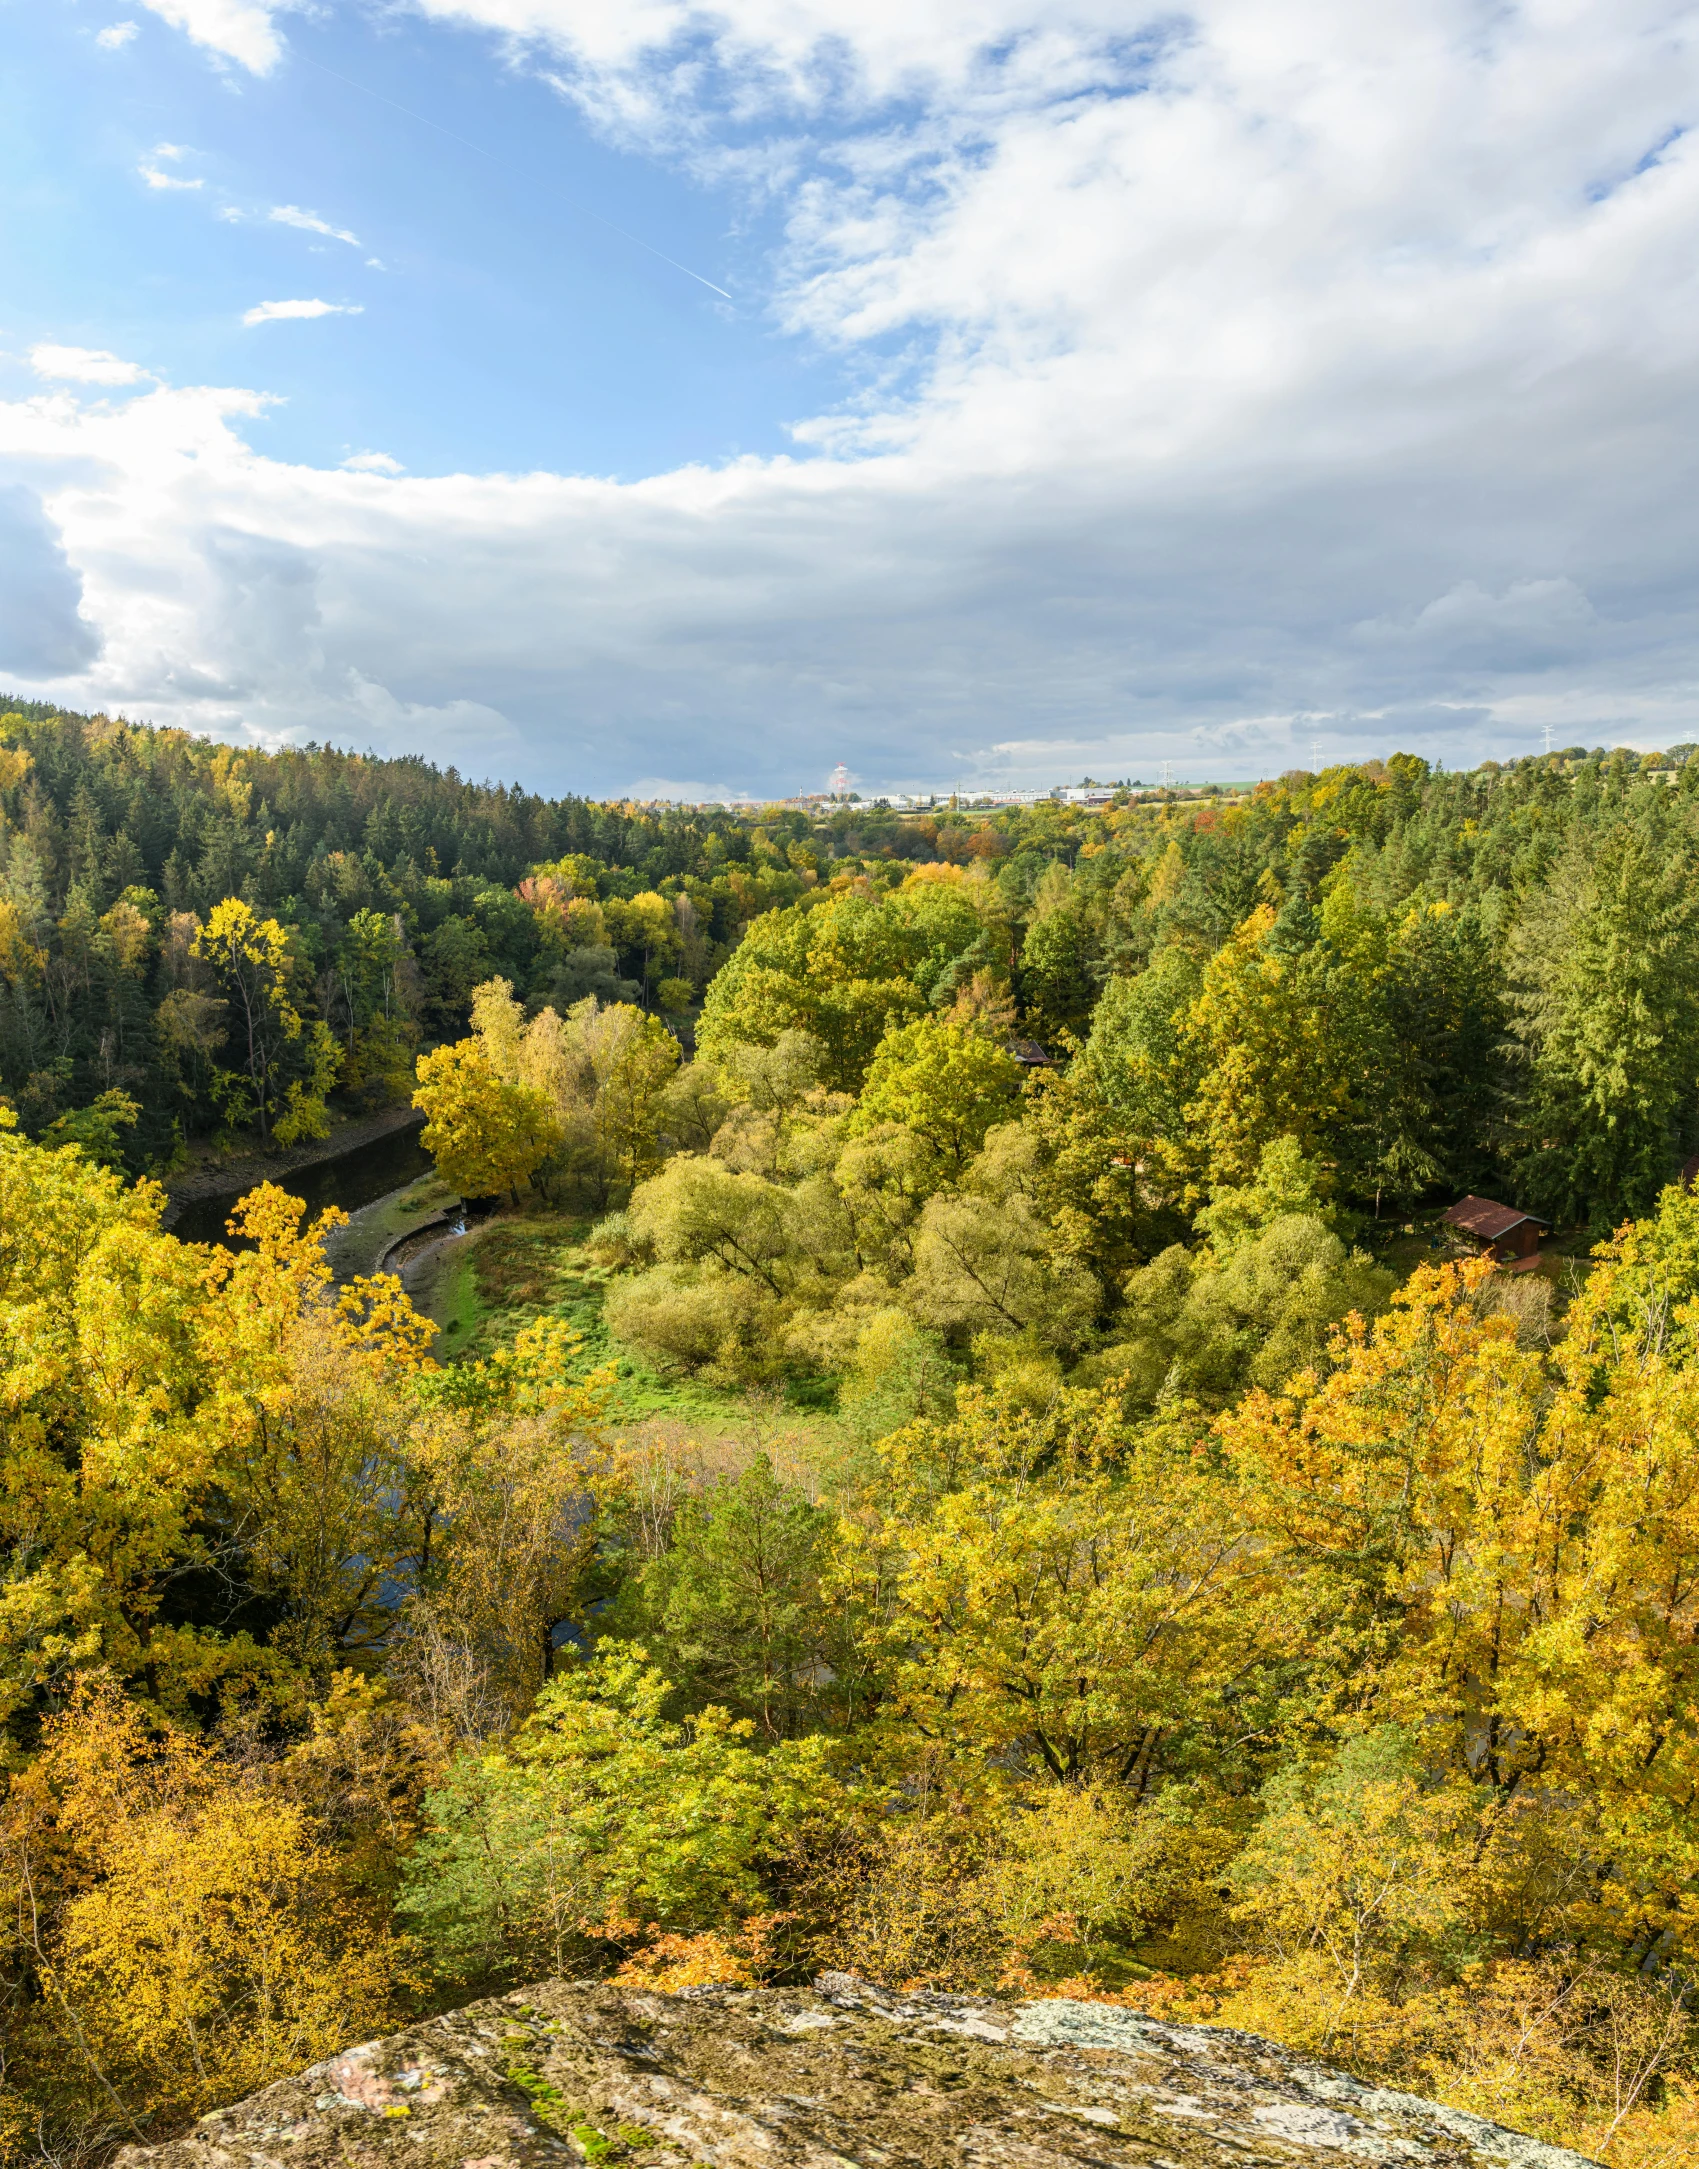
x=1217 y=1590
x=1435 y=983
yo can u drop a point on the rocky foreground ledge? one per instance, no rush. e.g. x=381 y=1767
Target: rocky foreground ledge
x=842 y=2076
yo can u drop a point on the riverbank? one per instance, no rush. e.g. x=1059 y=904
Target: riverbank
x=403 y=1221
x=217 y=1177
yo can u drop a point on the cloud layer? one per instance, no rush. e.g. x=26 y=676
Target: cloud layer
x=240 y=30
x=1280 y=371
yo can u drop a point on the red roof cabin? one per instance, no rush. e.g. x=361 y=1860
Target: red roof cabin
x=1506 y=1234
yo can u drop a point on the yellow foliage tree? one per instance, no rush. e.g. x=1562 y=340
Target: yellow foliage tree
x=485 y=1133
x=1062 y=1586
x=513 y=1465
x=251 y=957
x=190 y=1929
x=1515 y=1556
x=601 y=1071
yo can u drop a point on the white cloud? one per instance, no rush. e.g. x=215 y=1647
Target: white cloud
x=287 y=214
x=114 y=36
x=372 y=463
x=152 y=168
x=85 y=365
x=239 y=30
x=649 y=62
x=277 y=312
x=1293 y=369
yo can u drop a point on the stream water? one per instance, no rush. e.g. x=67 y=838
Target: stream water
x=396 y=1217
x=369 y=1175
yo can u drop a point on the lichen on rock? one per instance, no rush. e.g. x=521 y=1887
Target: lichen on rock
x=843 y=2076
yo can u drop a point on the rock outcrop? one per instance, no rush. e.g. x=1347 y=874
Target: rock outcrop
x=842 y=2076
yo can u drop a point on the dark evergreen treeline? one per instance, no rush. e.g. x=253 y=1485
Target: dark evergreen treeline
x=1438 y=981
x=393 y=884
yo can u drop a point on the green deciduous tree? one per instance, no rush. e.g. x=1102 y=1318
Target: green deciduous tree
x=988 y=1260
x=1057 y=985
x=1204 y=1328
x=737 y=1611
x=1139 y=1061
x=602 y=1814
x=947 y=1082
x=98 y=1129
x=846 y=968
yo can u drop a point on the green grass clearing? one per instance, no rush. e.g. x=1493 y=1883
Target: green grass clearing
x=521 y=1266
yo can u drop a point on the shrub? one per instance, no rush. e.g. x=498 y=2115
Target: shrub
x=714 y=1323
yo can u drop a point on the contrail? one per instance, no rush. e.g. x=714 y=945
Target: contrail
x=425 y=120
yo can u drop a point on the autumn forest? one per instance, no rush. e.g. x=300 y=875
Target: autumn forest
x=972 y=1457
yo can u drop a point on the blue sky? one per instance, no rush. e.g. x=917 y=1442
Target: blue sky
x=1091 y=384
x=510 y=327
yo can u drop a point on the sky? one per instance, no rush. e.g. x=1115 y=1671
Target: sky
x=679 y=400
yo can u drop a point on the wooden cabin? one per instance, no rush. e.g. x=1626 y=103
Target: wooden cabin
x=1506 y=1234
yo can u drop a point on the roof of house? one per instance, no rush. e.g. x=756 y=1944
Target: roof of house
x=1030 y=1054
x=1485 y=1217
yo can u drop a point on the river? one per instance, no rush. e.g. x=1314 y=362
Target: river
x=391 y=1194
x=352 y=1179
